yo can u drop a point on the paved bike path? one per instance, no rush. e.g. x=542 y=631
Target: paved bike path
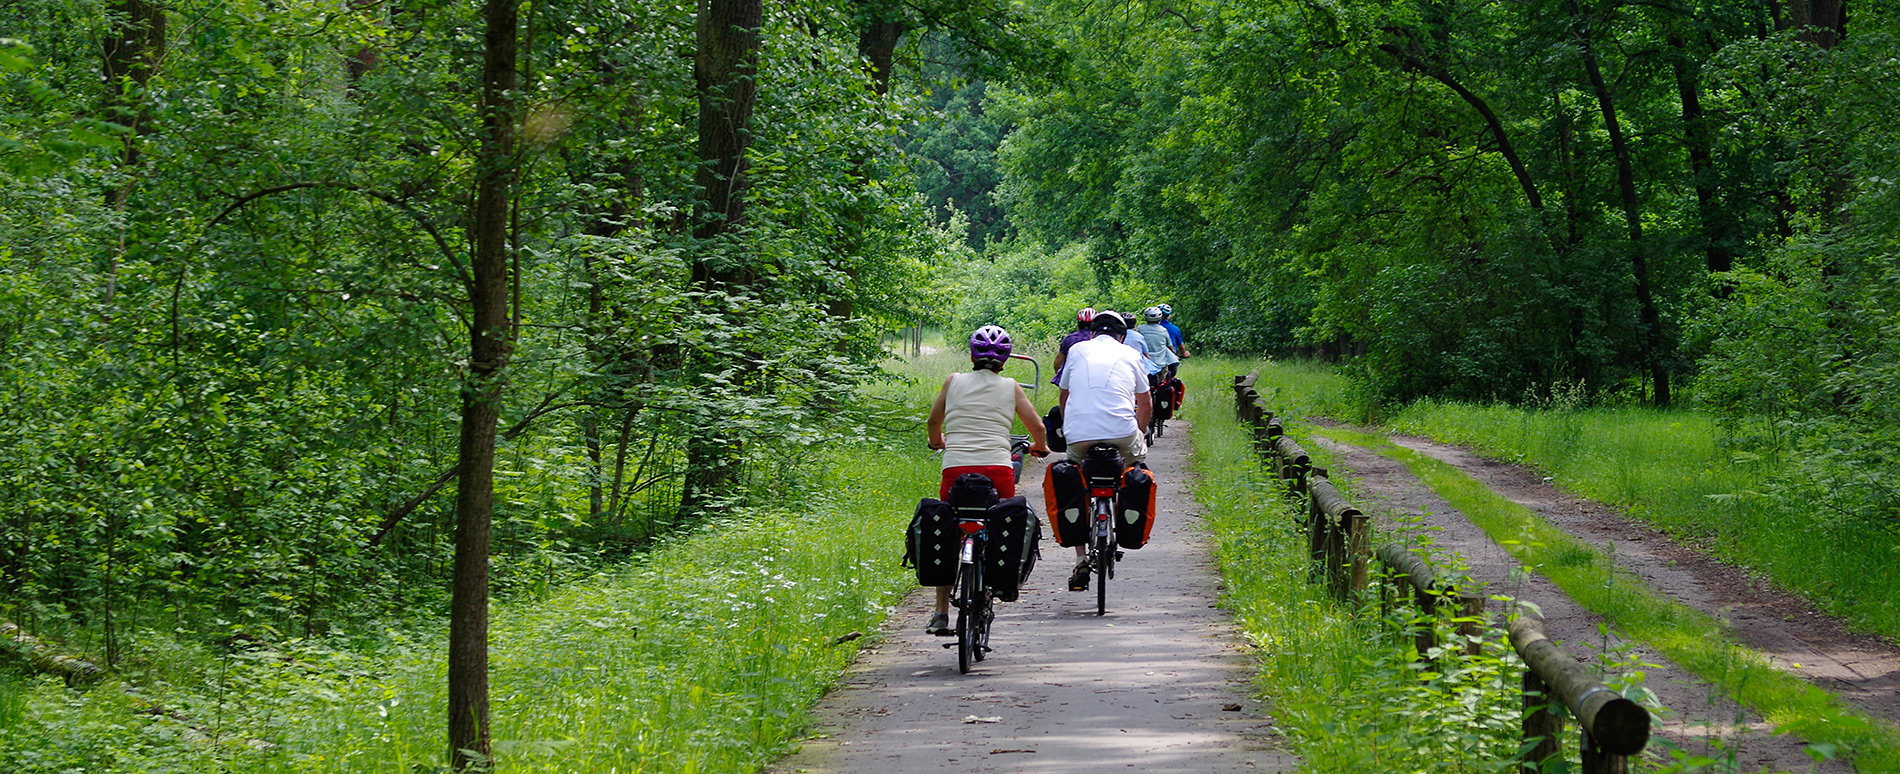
x=1158 y=684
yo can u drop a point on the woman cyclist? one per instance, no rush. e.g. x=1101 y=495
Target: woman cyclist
x=970 y=422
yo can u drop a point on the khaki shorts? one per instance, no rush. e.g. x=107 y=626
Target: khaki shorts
x=1133 y=450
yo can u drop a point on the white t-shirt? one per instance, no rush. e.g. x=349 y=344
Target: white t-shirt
x=978 y=407
x=1160 y=345
x=1102 y=376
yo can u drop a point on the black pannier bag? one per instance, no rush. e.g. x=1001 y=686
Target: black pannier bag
x=1066 y=500
x=1052 y=422
x=1135 y=507
x=1013 y=532
x=1103 y=466
x=972 y=494
x=931 y=543
x=1164 y=400
x=1180 y=392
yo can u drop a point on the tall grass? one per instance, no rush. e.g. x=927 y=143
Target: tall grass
x=702 y=655
x=1344 y=684
x=1668 y=467
x=1691 y=638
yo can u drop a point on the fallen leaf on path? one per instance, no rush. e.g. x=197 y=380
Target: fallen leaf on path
x=1230 y=708
x=1000 y=752
x=975 y=719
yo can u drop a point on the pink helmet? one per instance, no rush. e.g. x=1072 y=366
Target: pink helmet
x=990 y=347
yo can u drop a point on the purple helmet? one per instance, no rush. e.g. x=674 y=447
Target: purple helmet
x=989 y=347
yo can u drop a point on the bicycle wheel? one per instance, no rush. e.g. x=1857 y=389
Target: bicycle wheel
x=967 y=618
x=1104 y=556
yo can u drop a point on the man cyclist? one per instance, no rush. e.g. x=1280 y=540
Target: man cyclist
x=1104 y=399
x=1167 y=321
x=970 y=422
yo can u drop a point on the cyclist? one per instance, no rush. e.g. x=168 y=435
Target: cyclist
x=1167 y=321
x=1160 y=341
x=1079 y=335
x=1104 y=399
x=970 y=422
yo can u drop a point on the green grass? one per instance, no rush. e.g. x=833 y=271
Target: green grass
x=1667 y=467
x=702 y=655
x=1688 y=637
x=1344 y=685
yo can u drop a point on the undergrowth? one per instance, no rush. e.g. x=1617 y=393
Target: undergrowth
x=702 y=654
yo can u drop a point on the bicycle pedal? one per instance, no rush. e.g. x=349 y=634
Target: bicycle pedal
x=1118 y=556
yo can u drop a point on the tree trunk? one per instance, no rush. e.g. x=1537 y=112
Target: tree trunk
x=1639 y=263
x=723 y=71
x=481 y=396
x=133 y=45
x=1695 y=133
x=1820 y=22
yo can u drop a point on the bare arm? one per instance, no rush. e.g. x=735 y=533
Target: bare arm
x=1144 y=408
x=935 y=423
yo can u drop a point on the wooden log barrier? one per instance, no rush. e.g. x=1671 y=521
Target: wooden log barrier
x=44 y=658
x=1614 y=727
x=1291 y=464
x=1431 y=593
x=1342 y=537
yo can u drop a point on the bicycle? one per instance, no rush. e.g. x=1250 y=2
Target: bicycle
x=1102 y=469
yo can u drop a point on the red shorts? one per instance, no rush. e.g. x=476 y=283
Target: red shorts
x=1003 y=476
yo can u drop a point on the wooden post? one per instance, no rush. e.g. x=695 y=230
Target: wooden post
x=1597 y=761
x=1331 y=509
x=1615 y=726
x=1471 y=606
x=1359 y=545
x=1541 y=724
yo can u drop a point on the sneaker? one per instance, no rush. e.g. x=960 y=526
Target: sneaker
x=1079 y=579
x=939 y=625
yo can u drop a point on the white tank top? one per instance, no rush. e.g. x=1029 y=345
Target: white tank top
x=978 y=407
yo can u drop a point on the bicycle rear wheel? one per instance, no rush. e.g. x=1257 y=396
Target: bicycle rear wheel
x=1104 y=557
x=968 y=619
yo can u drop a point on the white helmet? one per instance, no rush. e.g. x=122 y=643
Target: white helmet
x=1153 y=313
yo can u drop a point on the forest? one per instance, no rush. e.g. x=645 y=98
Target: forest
x=324 y=320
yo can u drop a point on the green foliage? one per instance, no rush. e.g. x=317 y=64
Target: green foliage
x=1431 y=190
x=1034 y=292
x=702 y=655
x=231 y=342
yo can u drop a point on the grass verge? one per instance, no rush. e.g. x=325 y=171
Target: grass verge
x=1686 y=636
x=702 y=655
x=1667 y=466
x=1344 y=684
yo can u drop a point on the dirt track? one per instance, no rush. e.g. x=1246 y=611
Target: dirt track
x=1147 y=687
x=1860 y=669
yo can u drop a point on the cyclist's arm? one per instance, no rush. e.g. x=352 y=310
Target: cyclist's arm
x=1144 y=408
x=1026 y=411
x=935 y=423
x=1062 y=358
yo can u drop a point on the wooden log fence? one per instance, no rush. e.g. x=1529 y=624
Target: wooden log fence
x=1339 y=536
